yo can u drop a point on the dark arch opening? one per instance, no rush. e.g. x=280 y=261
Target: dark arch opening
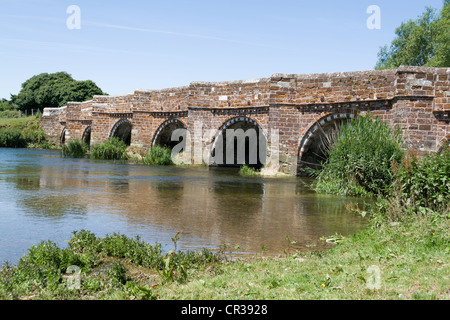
x=318 y=140
x=239 y=141
x=122 y=130
x=87 y=136
x=163 y=136
x=62 y=138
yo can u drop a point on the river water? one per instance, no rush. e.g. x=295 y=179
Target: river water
x=44 y=196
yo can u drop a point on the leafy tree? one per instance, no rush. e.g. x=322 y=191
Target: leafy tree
x=421 y=42
x=53 y=90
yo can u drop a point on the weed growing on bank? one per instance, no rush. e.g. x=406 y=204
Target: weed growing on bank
x=23 y=133
x=360 y=161
x=75 y=149
x=114 y=267
x=247 y=171
x=425 y=182
x=159 y=155
x=113 y=149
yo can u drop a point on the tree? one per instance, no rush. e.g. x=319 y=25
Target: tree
x=53 y=90
x=421 y=42
x=6 y=105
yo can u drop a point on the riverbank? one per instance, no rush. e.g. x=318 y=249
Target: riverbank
x=23 y=132
x=407 y=259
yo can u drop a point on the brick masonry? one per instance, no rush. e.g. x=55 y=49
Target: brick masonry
x=416 y=99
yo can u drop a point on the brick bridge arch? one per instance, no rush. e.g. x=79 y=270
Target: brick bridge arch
x=86 y=137
x=122 y=129
x=318 y=137
x=253 y=155
x=163 y=135
x=62 y=136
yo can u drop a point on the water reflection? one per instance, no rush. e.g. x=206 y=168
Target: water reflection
x=48 y=197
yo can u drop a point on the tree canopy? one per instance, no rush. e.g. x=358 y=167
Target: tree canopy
x=421 y=42
x=53 y=90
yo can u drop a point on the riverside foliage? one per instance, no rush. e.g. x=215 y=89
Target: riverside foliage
x=113 y=149
x=360 y=161
x=158 y=155
x=75 y=149
x=22 y=133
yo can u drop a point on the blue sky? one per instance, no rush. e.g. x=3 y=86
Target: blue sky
x=127 y=45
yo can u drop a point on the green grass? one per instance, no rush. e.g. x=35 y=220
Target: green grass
x=247 y=171
x=75 y=149
x=360 y=161
x=114 y=267
x=424 y=182
x=23 y=132
x=412 y=258
x=159 y=156
x=113 y=149
x=16 y=122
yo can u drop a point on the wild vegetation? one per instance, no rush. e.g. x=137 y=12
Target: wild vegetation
x=360 y=159
x=75 y=149
x=23 y=132
x=247 y=171
x=159 y=155
x=113 y=267
x=113 y=149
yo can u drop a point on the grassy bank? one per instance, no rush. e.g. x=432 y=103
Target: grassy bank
x=411 y=258
x=23 y=132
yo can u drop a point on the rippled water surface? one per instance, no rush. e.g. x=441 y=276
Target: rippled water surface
x=44 y=196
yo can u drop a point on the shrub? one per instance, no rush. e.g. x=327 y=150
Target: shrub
x=159 y=156
x=360 y=160
x=246 y=171
x=113 y=149
x=74 y=149
x=424 y=182
x=9 y=114
x=11 y=138
x=116 y=273
x=33 y=134
x=132 y=249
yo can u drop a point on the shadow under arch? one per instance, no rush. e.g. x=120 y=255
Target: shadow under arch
x=163 y=135
x=62 y=137
x=240 y=140
x=318 y=139
x=86 y=137
x=122 y=130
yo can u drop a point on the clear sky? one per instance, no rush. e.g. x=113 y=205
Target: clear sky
x=127 y=45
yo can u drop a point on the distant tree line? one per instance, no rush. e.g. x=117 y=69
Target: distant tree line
x=50 y=90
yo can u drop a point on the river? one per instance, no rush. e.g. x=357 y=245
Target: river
x=44 y=196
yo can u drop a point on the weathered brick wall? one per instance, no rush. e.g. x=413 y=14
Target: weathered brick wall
x=414 y=98
x=53 y=122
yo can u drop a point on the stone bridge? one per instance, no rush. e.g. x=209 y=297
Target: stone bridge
x=300 y=109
